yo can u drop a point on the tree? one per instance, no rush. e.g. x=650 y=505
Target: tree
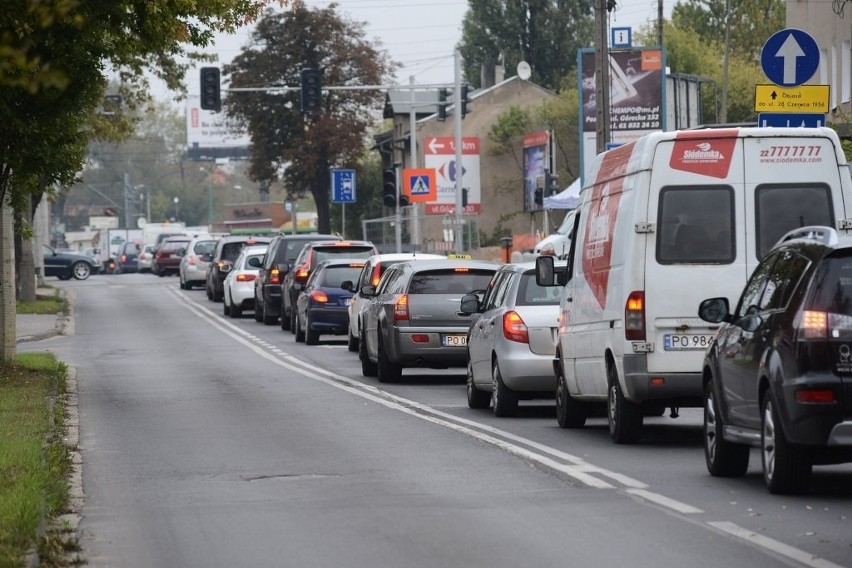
x=544 y=33
x=287 y=145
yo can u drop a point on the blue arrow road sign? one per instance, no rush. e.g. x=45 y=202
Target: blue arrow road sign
x=790 y=57
x=342 y=186
x=797 y=120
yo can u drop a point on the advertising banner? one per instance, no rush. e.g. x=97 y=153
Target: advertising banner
x=439 y=153
x=537 y=158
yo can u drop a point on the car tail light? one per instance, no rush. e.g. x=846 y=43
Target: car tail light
x=377 y=275
x=634 y=316
x=124 y=258
x=815 y=396
x=400 y=308
x=275 y=276
x=461 y=269
x=190 y=260
x=303 y=272
x=514 y=328
x=319 y=296
x=420 y=338
x=245 y=277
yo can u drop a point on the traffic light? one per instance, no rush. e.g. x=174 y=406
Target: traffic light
x=539 y=196
x=389 y=188
x=464 y=99
x=442 y=104
x=551 y=183
x=211 y=89
x=464 y=197
x=311 y=90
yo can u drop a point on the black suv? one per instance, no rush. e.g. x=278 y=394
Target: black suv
x=282 y=252
x=778 y=375
x=312 y=254
x=222 y=259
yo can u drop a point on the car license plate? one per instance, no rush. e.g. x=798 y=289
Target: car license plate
x=680 y=341
x=459 y=340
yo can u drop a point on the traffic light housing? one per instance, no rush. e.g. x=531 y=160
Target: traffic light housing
x=211 y=89
x=464 y=99
x=551 y=183
x=442 y=104
x=539 y=196
x=389 y=188
x=311 y=90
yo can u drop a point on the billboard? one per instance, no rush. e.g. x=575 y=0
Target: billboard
x=208 y=129
x=537 y=160
x=439 y=153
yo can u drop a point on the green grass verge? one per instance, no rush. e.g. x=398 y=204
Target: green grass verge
x=43 y=305
x=34 y=462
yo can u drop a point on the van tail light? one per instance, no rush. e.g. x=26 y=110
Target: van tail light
x=245 y=277
x=275 y=276
x=634 y=316
x=514 y=328
x=400 y=308
x=319 y=296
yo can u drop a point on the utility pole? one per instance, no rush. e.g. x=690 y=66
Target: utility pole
x=415 y=207
x=602 y=74
x=660 y=23
x=128 y=214
x=457 y=117
x=723 y=112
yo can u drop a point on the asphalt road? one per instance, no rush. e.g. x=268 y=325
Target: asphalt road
x=208 y=441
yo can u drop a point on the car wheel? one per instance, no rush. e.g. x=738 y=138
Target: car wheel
x=236 y=311
x=569 y=412
x=226 y=307
x=351 y=342
x=368 y=368
x=293 y=319
x=269 y=318
x=504 y=400
x=284 y=319
x=209 y=292
x=258 y=315
x=181 y=284
x=475 y=398
x=311 y=336
x=217 y=295
x=297 y=329
x=724 y=459
x=81 y=270
x=624 y=417
x=786 y=467
x=387 y=370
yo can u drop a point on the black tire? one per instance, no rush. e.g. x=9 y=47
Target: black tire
x=226 y=308
x=311 y=335
x=284 y=319
x=209 y=292
x=81 y=270
x=65 y=277
x=236 y=311
x=258 y=315
x=188 y=285
x=351 y=341
x=217 y=295
x=569 y=412
x=624 y=417
x=786 y=468
x=504 y=401
x=475 y=398
x=293 y=319
x=269 y=318
x=182 y=285
x=723 y=458
x=297 y=329
x=368 y=368
x=387 y=371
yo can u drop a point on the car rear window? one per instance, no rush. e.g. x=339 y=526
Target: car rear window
x=230 y=251
x=831 y=290
x=168 y=246
x=531 y=294
x=326 y=253
x=334 y=276
x=449 y=281
x=204 y=247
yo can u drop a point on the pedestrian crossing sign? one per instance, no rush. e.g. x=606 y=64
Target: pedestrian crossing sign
x=419 y=185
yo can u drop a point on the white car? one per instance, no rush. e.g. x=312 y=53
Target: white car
x=193 y=263
x=373 y=269
x=145 y=259
x=238 y=287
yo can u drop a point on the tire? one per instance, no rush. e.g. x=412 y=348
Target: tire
x=181 y=284
x=297 y=329
x=475 y=398
x=258 y=315
x=311 y=335
x=293 y=318
x=209 y=292
x=236 y=311
x=226 y=307
x=217 y=295
x=786 y=467
x=188 y=285
x=284 y=319
x=268 y=317
x=351 y=342
x=569 y=412
x=81 y=270
x=504 y=401
x=387 y=371
x=368 y=368
x=723 y=458
x=65 y=277
x=624 y=417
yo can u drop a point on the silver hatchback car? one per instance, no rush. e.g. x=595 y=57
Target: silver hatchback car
x=413 y=317
x=193 y=264
x=512 y=340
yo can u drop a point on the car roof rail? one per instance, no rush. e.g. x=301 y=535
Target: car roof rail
x=819 y=233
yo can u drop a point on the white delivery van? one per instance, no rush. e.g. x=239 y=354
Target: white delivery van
x=664 y=222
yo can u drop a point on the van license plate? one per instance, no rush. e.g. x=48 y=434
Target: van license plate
x=459 y=340
x=680 y=342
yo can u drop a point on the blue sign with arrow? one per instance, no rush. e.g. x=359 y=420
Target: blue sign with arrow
x=342 y=186
x=794 y=120
x=790 y=57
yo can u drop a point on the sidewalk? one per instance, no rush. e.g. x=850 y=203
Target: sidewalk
x=35 y=327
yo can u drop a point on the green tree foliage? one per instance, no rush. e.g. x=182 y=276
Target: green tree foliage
x=544 y=33
x=287 y=145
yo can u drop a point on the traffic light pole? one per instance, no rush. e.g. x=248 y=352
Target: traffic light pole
x=457 y=117
x=415 y=207
x=397 y=226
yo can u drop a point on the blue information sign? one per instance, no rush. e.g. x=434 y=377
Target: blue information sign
x=790 y=57
x=786 y=119
x=342 y=186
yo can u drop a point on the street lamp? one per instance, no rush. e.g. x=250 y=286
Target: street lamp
x=177 y=200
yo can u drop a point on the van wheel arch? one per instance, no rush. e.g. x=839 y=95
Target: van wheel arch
x=624 y=417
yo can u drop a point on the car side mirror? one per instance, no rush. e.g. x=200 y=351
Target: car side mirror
x=715 y=310
x=368 y=290
x=470 y=304
x=348 y=285
x=254 y=262
x=545 y=272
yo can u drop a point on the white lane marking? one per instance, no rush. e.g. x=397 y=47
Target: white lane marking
x=773 y=545
x=664 y=501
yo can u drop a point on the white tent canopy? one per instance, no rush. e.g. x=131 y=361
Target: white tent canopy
x=568 y=198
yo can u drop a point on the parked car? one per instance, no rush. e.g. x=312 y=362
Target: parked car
x=510 y=342
x=145 y=260
x=192 y=270
x=282 y=252
x=128 y=256
x=238 y=287
x=322 y=307
x=777 y=374
x=413 y=318
x=64 y=265
x=372 y=272
x=168 y=254
x=309 y=257
x=224 y=254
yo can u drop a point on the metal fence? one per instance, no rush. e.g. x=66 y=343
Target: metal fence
x=436 y=233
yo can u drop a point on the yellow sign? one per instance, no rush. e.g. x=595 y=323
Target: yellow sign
x=804 y=98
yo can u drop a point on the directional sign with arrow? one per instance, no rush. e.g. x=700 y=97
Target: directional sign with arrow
x=801 y=99
x=790 y=57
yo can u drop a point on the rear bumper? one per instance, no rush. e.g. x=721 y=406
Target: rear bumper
x=527 y=372
x=678 y=389
x=329 y=319
x=194 y=274
x=404 y=350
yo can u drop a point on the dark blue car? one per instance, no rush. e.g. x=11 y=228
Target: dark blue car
x=128 y=256
x=322 y=306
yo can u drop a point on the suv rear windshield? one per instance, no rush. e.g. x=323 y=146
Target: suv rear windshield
x=449 y=281
x=831 y=290
x=326 y=253
x=230 y=251
x=531 y=294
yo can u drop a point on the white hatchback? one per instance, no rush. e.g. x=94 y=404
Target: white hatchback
x=238 y=287
x=193 y=263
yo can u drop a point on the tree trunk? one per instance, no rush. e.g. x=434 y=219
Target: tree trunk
x=25 y=265
x=8 y=329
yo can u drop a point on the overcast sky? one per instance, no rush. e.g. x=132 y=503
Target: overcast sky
x=421 y=34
